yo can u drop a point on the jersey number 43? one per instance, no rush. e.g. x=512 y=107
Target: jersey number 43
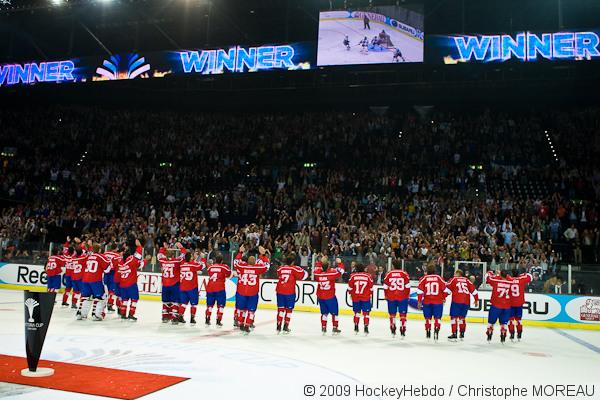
x=248 y=279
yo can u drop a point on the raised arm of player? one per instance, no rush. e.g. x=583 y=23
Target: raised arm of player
x=473 y=291
x=300 y=274
x=420 y=291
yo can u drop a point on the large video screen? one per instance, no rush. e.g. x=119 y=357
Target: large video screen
x=384 y=34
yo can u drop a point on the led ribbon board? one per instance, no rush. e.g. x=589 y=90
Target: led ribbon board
x=235 y=59
x=55 y=71
x=243 y=59
x=522 y=46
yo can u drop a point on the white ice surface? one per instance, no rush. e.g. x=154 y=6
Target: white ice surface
x=222 y=363
x=331 y=50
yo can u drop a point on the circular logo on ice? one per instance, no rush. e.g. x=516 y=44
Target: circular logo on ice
x=31 y=304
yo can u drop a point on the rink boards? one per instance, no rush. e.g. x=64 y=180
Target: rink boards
x=549 y=310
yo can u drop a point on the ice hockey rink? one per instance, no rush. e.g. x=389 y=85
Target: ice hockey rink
x=331 y=50
x=223 y=363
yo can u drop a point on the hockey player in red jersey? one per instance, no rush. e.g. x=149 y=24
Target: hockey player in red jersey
x=68 y=278
x=128 y=281
x=287 y=275
x=431 y=294
x=325 y=278
x=338 y=264
x=360 y=287
x=117 y=262
x=241 y=259
x=501 y=302
x=113 y=256
x=92 y=285
x=67 y=251
x=462 y=289
x=78 y=264
x=188 y=287
x=54 y=268
x=169 y=266
x=215 y=288
x=248 y=286
x=396 y=285
x=517 y=299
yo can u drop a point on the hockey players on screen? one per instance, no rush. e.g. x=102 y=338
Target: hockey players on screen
x=380 y=43
x=95 y=281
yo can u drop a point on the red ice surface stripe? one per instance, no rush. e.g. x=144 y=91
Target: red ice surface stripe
x=97 y=381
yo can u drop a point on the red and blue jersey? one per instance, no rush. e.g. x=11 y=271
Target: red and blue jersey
x=326 y=283
x=517 y=289
x=249 y=275
x=360 y=286
x=95 y=265
x=217 y=274
x=287 y=275
x=396 y=285
x=111 y=255
x=55 y=265
x=129 y=268
x=78 y=264
x=462 y=289
x=432 y=289
x=170 y=267
x=188 y=275
x=500 y=290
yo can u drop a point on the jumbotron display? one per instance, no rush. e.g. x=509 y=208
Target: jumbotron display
x=379 y=35
x=522 y=46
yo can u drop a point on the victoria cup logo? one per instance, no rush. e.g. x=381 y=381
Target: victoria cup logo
x=128 y=67
x=590 y=311
x=31 y=304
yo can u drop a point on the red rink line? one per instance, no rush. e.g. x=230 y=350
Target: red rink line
x=97 y=381
x=224 y=332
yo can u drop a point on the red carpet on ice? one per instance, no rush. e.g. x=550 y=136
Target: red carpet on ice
x=98 y=381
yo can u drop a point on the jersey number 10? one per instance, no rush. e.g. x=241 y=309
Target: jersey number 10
x=432 y=288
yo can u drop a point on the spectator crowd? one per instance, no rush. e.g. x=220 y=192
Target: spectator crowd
x=506 y=188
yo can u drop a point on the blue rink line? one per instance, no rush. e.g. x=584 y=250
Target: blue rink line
x=578 y=341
